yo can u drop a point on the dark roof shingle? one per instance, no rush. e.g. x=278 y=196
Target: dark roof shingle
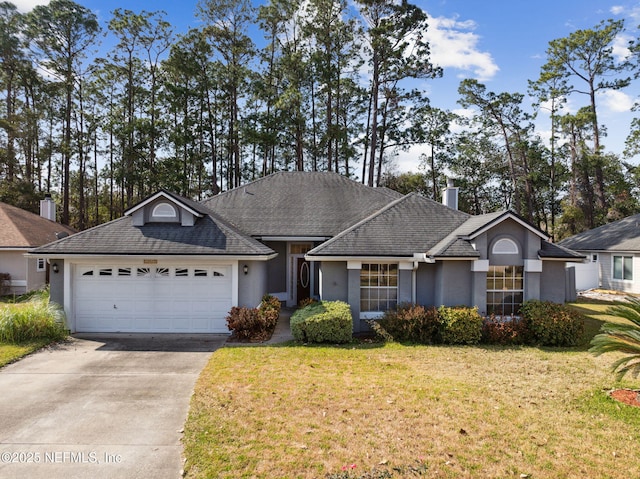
x=621 y=235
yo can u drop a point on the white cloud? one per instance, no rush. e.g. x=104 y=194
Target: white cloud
x=621 y=47
x=27 y=5
x=616 y=101
x=617 y=9
x=454 y=45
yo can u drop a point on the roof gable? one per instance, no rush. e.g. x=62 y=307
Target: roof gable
x=621 y=235
x=409 y=225
x=23 y=229
x=299 y=204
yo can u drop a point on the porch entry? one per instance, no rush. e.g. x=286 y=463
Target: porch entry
x=300 y=273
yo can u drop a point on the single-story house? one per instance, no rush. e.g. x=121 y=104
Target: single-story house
x=174 y=265
x=613 y=251
x=20 y=232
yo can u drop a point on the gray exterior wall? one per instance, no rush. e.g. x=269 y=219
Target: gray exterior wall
x=552 y=281
x=56 y=282
x=425 y=284
x=277 y=267
x=454 y=285
x=253 y=285
x=335 y=281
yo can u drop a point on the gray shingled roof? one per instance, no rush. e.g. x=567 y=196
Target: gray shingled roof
x=411 y=224
x=209 y=236
x=621 y=235
x=551 y=250
x=290 y=204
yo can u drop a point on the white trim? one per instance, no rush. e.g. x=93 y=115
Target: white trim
x=505 y=246
x=168 y=198
x=406 y=266
x=164 y=204
x=480 y=266
x=532 y=266
x=294 y=239
x=106 y=258
x=354 y=264
x=18 y=283
x=361 y=259
x=43 y=268
x=502 y=218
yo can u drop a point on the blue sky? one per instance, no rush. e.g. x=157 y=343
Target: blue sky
x=502 y=43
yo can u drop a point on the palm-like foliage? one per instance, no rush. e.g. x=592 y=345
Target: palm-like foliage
x=624 y=338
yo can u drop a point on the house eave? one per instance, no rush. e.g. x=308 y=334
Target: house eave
x=293 y=238
x=145 y=256
x=376 y=258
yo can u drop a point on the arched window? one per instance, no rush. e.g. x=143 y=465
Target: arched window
x=164 y=210
x=505 y=246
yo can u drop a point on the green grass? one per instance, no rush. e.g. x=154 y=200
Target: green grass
x=449 y=412
x=10 y=352
x=28 y=324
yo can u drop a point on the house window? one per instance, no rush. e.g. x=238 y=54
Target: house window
x=164 y=210
x=378 y=287
x=182 y=272
x=41 y=265
x=505 y=290
x=623 y=268
x=594 y=258
x=505 y=246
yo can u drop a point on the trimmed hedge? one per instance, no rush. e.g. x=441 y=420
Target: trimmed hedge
x=460 y=325
x=409 y=322
x=323 y=322
x=552 y=324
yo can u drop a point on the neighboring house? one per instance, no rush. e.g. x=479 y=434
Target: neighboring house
x=173 y=265
x=613 y=251
x=20 y=232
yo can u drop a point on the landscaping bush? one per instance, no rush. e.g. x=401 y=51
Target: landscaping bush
x=460 y=325
x=326 y=321
x=36 y=318
x=255 y=324
x=408 y=322
x=496 y=330
x=552 y=324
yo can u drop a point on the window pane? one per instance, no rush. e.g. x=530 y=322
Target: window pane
x=617 y=267
x=628 y=268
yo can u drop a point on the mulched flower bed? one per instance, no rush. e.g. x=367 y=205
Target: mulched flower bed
x=626 y=396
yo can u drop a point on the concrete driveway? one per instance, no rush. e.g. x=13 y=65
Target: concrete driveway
x=100 y=407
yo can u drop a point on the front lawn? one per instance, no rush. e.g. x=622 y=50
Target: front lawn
x=10 y=352
x=406 y=411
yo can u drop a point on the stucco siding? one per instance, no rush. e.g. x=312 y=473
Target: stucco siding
x=455 y=288
x=277 y=268
x=56 y=282
x=425 y=284
x=334 y=281
x=552 y=282
x=253 y=285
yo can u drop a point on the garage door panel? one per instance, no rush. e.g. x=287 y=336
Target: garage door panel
x=128 y=298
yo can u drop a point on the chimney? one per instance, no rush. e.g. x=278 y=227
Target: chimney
x=48 y=207
x=450 y=195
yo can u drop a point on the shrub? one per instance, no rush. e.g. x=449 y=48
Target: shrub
x=326 y=321
x=256 y=324
x=409 y=322
x=497 y=330
x=552 y=324
x=37 y=318
x=460 y=325
x=623 y=338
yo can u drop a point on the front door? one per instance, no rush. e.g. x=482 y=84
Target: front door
x=303 y=280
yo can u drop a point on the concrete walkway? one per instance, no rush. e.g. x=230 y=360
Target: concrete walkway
x=100 y=407
x=282 y=333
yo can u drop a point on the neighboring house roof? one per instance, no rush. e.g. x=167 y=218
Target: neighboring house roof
x=209 y=235
x=408 y=225
x=555 y=251
x=298 y=204
x=621 y=235
x=23 y=229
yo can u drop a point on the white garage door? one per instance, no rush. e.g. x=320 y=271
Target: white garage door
x=155 y=298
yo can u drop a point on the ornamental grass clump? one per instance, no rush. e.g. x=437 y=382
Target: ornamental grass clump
x=37 y=318
x=623 y=338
